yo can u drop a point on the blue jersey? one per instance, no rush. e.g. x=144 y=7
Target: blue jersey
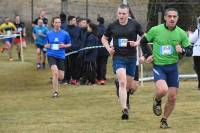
x=37 y=30
x=55 y=39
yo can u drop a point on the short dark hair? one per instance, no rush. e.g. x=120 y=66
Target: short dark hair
x=170 y=9
x=53 y=19
x=70 y=18
x=123 y=6
x=93 y=27
x=100 y=20
x=62 y=16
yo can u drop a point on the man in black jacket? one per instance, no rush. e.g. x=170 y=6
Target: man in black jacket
x=102 y=54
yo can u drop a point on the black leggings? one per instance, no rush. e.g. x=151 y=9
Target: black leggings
x=89 y=73
x=196 y=60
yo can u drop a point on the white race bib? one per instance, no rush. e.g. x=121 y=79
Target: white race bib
x=19 y=29
x=55 y=46
x=166 y=50
x=8 y=32
x=122 y=42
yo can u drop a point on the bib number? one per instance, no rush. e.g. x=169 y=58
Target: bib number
x=122 y=42
x=19 y=29
x=55 y=46
x=166 y=50
x=8 y=32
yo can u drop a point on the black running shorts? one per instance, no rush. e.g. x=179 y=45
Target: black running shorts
x=60 y=63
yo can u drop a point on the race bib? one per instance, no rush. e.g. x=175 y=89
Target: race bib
x=8 y=32
x=39 y=31
x=166 y=50
x=19 y=29
x=55 y=46
x=122 y=42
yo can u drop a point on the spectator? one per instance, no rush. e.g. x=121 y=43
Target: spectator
x=195 y=40
x=67 y=75
x=83 y=24
x=74 y=33
x=89 y=67
x=102 y=54
x=63 y=21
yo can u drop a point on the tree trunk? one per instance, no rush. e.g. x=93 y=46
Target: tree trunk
x=188 y=11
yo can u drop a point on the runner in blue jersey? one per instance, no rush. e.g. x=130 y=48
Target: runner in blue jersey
x=57 y=41
x=39 y=36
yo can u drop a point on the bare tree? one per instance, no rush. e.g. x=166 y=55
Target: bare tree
x=188 y=11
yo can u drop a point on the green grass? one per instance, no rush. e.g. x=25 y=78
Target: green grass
x=26 y=105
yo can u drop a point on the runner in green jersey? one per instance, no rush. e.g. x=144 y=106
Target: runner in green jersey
x=165 y=42
x=169 y=41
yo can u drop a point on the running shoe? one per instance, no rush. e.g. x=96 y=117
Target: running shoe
x=38 y=66
x=98 y=82
x=10 y=59
x=163 y=123
x=125 y=114
x=157 y=107
x=43 y=65
x=131 y=92
x=55 y=94
x=74 y=82
x=102 y=82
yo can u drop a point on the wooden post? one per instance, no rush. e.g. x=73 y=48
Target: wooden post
x=21 y=48
x=86 y=12
x=125 y=2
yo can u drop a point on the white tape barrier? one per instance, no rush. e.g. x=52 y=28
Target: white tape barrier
x=86 y=48
x=9 y=36
x=181 y=76
x=13 y=36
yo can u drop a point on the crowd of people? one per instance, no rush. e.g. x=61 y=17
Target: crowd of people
x=121 y=40
x=84 y=67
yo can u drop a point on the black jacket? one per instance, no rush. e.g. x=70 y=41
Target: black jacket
x=91 y=54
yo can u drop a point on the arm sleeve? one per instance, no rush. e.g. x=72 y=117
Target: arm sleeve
x=187 y=48
x=188 y=51
x=146 y=50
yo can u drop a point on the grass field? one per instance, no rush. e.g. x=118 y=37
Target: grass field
x=26 y=105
